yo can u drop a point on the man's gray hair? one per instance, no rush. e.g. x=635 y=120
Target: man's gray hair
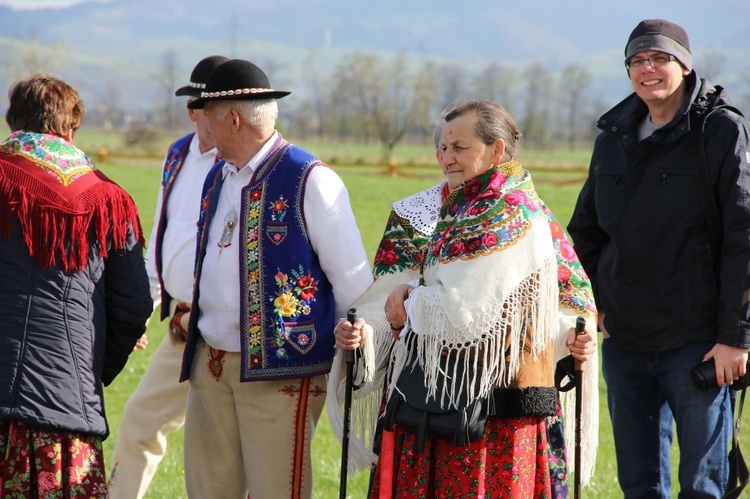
x=259 y=113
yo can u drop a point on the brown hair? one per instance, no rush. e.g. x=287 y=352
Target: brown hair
x=493 y=122
x=44 y=104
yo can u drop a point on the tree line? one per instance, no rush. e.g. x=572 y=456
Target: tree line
x=368 y=98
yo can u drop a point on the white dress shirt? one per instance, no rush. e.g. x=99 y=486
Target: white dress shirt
x=178 y=242
x=333 y=234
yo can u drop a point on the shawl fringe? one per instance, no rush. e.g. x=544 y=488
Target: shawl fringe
x=55 y=220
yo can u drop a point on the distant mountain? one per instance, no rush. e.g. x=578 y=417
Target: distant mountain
x=123 y=44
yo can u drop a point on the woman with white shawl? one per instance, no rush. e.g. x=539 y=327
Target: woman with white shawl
x=498 y=285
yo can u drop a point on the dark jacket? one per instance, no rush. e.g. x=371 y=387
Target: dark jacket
x=65 y=334
x=641 y=233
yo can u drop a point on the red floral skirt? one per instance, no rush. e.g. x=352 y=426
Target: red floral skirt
x=42 y=463
x=511 y=460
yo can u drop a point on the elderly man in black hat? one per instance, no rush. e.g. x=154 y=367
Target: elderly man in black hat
x=157 y=407
x=279 y=261
x=662 y=228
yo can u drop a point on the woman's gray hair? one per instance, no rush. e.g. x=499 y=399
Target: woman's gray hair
x=438 y=135
x=493 y=122
x=261 y=113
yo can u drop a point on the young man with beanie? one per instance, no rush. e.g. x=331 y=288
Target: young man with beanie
x=157 y=407
x=279 y=261
x=669 y=297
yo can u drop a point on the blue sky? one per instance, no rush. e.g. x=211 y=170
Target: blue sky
x=40 y=4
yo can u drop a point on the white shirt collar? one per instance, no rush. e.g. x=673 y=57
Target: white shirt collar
x=195 y=148
x=255 y=161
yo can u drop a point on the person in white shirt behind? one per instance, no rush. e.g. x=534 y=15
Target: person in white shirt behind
x=157 y=407
x=280 y=259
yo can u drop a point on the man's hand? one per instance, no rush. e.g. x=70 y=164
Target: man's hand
x=142 y=343
x=730 y=362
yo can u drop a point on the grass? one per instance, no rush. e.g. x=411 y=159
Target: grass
x=371 y=194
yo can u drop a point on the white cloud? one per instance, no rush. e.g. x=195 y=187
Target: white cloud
x=43 y=4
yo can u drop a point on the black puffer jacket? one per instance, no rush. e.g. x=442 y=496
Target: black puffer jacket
x=64 y=334
x=641 y=233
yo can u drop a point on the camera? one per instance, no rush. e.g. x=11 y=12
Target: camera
x=704 y=376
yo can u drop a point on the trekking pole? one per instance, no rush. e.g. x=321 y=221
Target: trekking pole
x=580 y=326
x=351 y=316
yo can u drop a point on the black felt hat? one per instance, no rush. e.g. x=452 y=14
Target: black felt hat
x=237 y=79
x=200 y=74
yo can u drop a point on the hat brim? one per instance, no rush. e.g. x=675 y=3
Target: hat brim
x=276 y=94
x=188 y=90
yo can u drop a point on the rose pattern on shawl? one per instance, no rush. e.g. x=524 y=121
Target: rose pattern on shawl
x=487 y=217
x=401 y=248
x=575 y=293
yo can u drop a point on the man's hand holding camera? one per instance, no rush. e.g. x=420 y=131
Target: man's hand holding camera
x=723 y=364
x=730 y=363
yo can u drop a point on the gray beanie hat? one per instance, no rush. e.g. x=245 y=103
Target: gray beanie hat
x=661 y=35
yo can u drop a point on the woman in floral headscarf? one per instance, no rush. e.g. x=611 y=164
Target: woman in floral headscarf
x=494 y=255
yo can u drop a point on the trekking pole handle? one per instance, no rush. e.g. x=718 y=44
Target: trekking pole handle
x=351 y=316
x=580 y=328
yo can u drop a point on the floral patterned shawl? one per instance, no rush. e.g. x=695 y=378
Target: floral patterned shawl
x=58 y=196
x=409 y=229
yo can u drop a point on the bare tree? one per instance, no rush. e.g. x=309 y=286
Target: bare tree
x=389 y=94
x=450 y=84
x=537 y=104
x=575 y=81
x=166 y=77
x=317 y=97
x=495 y=82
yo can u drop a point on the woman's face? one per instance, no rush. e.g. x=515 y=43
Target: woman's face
x=465 y=156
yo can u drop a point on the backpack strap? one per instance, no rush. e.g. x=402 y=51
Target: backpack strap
x=708 y=200
x=738 y=471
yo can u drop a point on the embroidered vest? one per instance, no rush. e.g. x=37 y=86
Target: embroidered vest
x=287 y=305
x=172 y=165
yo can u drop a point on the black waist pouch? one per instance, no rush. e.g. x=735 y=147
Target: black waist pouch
x=427 y=418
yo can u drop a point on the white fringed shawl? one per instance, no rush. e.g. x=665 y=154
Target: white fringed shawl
x=405 y=237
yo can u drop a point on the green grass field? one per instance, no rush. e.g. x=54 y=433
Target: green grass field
x=371 y=194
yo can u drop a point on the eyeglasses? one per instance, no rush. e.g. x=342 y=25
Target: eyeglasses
x=655 y=61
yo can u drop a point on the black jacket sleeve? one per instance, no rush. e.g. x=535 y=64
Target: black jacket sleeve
x=728 y=149
x=128 y=304
x=588 y=236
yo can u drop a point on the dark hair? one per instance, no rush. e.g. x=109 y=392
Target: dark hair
x=44 y=104
x=493 y=122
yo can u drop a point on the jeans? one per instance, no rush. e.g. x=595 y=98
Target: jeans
x=645 y=391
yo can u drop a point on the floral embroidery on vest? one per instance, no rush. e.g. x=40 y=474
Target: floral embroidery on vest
x=250 y=229
x=278 y=209
x=293 y=301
